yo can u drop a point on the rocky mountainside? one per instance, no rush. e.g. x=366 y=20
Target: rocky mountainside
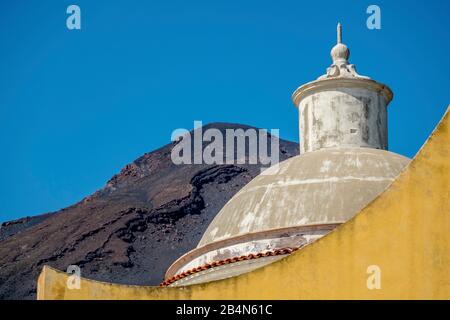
x=130 y=231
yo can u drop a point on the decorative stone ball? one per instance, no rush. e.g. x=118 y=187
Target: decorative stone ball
x=340 y=52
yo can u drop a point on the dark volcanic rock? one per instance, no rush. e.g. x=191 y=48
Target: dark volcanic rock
x=130 y=231
x=11 y=228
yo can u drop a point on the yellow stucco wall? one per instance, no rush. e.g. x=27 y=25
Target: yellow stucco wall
x=405 y=232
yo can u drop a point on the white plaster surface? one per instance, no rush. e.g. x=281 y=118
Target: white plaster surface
x=325 y=186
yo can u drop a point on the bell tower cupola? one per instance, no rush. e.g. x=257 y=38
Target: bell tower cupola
x=342 y=108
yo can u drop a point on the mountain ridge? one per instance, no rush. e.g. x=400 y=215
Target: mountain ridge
x=133 y=228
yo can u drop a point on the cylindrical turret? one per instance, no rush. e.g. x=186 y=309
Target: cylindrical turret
x=342 y=108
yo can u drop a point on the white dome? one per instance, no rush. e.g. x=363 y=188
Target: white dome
x=342 y=168
x=320 y=187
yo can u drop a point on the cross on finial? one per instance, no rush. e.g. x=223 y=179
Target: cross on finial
x=339 y=33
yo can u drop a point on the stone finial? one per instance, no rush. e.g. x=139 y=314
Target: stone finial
x=341 y=67
x=339 y=33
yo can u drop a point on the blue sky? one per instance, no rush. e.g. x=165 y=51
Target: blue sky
x=76 y=106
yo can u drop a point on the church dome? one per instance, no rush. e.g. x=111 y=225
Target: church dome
x=343 y=165
x=320 y=187
x=286 y=207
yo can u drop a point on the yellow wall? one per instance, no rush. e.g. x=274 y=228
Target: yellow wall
x=405 y=231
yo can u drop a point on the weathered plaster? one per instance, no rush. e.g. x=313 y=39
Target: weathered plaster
x=292 y=238
x=325 y=186
x=343 y=117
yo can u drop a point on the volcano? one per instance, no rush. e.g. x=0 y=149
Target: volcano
x=131 y=230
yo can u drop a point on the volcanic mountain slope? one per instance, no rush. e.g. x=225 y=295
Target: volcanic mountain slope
x=130 y=231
